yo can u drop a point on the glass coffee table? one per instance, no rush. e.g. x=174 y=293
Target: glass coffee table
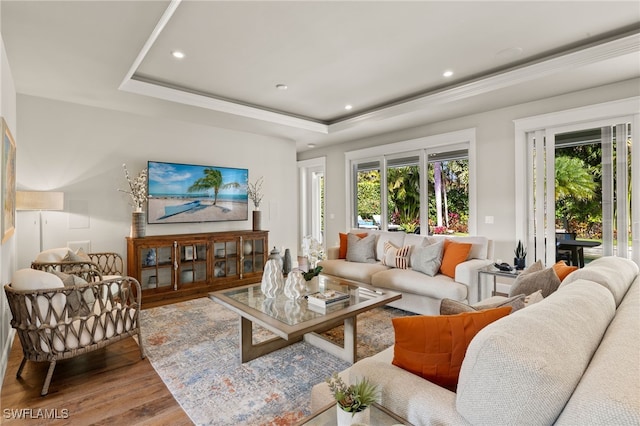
x=294 y=320
x=380 y=416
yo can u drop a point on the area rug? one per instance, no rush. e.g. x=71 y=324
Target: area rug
x=193 y=346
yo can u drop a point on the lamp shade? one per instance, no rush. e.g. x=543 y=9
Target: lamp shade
x=39 y=200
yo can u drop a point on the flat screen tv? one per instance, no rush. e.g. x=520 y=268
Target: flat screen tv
x=188 y=193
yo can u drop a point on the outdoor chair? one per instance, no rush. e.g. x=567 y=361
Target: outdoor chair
x=561 y=254
x=55 y=321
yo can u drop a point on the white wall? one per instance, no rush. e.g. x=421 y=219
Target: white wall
x=8 y=249
x=80 y=150
x=495 y=162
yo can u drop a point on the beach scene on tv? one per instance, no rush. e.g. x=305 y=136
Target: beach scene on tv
x=179 y=193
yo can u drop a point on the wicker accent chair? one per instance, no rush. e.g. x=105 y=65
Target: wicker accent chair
x=107 y=264
x=67 y=321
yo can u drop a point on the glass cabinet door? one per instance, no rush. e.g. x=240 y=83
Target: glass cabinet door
x=225 y=259
x=193 y=263
x=254 y=252
x=156 y=269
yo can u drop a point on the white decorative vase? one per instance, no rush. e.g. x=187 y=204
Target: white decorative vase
x=248 y=247
x=272 y=279
x=345 y=418
x=295 y=285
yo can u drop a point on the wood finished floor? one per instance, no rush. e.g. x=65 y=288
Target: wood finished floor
x=109 y=386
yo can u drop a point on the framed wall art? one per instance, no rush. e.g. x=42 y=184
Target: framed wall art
x=189 y=193
x=8 y=182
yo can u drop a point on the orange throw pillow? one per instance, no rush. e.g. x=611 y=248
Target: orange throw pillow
x=342 y=252
x=433 y=347
x=562 y=269
x=454 y=253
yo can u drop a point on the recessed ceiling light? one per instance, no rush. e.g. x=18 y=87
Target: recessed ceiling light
x=509 y=54
x=177 y=54
x=282 y=86
x=447 y=73
x=311 y=145
x=348 y=107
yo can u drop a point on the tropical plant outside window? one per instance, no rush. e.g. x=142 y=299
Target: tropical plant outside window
x=449 y=184
x=447 y=194
x=578 y=182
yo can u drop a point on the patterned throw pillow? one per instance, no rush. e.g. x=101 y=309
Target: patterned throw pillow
x=362 y=250
x=427 y=258
x=396 y=257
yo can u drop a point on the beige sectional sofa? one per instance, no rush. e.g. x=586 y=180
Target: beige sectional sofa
x=421 y=293
x=571 y=359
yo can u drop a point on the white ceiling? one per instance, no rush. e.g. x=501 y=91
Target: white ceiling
x=384 y=58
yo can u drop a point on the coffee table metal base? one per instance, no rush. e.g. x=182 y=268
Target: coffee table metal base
x=250 y=350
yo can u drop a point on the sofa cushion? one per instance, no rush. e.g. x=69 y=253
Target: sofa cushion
x=533 y=298
x=361 y=250
x=614 y=273
x=609 y=391
x=361 y=272
x=32 y=280
x=524 y=368
x=410 y=281
x=454 y=254
x=427 y=259
x=396 y=257
x=52 y=255
x=479 y=245
x=533 y=279
x=454 y=307
x=563 y=270
x=433 y=347
x=342 y=253
x=395 y=238
x=411 y=397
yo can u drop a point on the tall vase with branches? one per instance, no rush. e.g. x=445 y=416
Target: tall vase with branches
x=138 y=193
x=254 y=191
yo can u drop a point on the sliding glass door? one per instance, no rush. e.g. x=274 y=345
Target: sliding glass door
x=580 y=185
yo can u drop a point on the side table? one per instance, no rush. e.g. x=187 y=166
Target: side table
x=380 y=416
x=494 y=272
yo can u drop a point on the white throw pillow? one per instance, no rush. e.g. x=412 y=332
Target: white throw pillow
x=32 y=279
x=52 y=255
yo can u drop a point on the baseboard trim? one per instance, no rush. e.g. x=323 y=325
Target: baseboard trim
x=4 y=360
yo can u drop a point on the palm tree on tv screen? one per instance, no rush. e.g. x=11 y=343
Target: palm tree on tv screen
x=212 y=179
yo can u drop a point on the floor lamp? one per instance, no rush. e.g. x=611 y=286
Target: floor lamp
x=39 y=200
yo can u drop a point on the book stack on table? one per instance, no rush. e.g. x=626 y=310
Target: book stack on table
x=324 y=299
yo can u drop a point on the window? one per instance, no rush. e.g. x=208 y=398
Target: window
x=420 y=186
x=312 y=197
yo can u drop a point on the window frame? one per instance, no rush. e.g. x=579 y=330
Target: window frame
x=548 y=125
x=422 y=147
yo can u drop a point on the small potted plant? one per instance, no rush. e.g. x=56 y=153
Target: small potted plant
x=352 y=401
x=521 y=254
